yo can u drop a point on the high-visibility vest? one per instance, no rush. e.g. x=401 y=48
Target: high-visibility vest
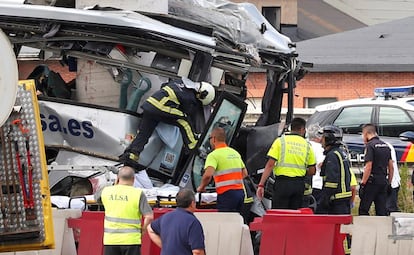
x=293 y=155
x=122 y=225
x=228 y=167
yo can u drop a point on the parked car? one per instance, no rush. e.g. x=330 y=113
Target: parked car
x=391 y=110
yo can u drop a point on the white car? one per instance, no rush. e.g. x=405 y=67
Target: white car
x=391 y=110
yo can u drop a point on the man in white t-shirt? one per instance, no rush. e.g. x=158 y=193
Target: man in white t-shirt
x=315 y=139
x=394 y=187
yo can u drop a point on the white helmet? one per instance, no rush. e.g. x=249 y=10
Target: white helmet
x=206 y=93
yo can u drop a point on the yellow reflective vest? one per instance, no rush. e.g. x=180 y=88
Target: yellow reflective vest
x=122 y=225
x=293 y=155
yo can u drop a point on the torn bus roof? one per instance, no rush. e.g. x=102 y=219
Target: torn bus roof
x=238 y=32
x=119 y=19
x=66 y=31
x=240 y=23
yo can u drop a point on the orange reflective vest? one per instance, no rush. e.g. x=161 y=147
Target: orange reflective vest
x=228 y=167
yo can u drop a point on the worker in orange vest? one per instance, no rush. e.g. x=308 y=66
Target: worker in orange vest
x=227 y=167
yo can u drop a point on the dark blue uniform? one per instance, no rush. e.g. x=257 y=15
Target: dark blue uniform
x=180 y=232
x=172 y=104
x=335 y=196
x=375 y=190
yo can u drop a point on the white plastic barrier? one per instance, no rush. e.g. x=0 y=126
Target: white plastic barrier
x=225 y=233
x=379 y=235
x=64 y=240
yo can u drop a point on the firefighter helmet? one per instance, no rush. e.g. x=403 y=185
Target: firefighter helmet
x=332 y=134
x=206 y=93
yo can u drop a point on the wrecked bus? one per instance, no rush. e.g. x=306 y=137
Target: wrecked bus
x=219 y=42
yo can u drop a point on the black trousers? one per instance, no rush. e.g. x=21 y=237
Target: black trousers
x=288 y=193
x=342 y=206
x=122 y=249
x=376 y=193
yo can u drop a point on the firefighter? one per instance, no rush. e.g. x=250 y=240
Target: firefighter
x=336 y=194
x=335 y=197
x=172 y=104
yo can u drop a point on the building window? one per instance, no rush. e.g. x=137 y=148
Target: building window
x=272 y=14
x=312 y=102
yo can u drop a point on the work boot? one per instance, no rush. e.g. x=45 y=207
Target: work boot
x=130 y=159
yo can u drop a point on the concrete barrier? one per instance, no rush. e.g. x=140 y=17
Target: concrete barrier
x=225 y=233
x=379 y=235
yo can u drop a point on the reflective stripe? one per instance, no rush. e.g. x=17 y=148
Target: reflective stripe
x=159 y=105
x=282 y=163
x=332 y=185
x=227 y=171
x=347 y=246
x=189 y=133
x=308 y=189
x=228 y=179
x=247 y=199
x=171 y=94
x=307 y=192
x=343 y=195
x=228 y=176
x=292 y=166
x=343 y=186
x=226 y=183
x=122 y=220
x=124 y=230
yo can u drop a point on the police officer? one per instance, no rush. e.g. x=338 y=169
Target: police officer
x=291 y=158
x=374 y=183
x=172 y=104
x=336 y=193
